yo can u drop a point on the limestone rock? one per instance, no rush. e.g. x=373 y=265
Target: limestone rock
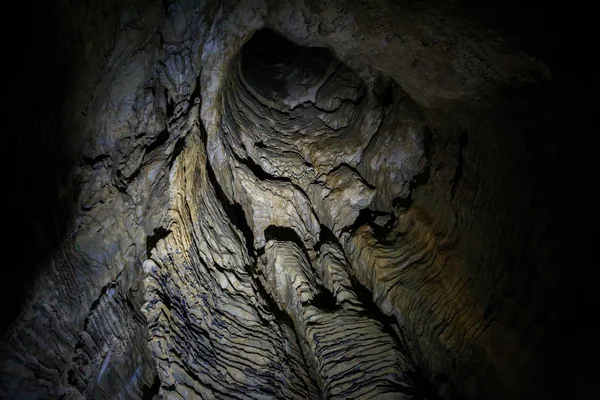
x=287 y=199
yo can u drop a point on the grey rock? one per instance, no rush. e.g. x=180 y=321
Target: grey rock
x=287 y=199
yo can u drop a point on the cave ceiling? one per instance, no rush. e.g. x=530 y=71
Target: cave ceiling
x=275 y=199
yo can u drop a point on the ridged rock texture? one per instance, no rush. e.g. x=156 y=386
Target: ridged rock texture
x=295 y=199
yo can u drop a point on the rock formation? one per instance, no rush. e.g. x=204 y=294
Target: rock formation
x=290 y=199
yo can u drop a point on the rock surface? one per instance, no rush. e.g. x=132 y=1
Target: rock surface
x=290 y=199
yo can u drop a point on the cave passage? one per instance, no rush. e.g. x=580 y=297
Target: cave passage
x=277 y=68
x=296 y=200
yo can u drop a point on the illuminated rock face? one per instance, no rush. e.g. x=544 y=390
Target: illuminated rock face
x=274 y=199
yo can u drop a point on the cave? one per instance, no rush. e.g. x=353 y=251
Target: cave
x=277 y=199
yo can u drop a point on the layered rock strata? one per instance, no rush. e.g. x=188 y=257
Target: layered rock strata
x=288 y=200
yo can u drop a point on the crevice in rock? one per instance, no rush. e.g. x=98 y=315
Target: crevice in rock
x=195 y=96
x=260 y=173
x=151 y=240
x=418 y=180
x=367 y=216
x=103 y=291
x=134 y=295
x=281 y=317
x=286 y=234
x=354 y=102
x=372 y=310
x=177 y=149
x=234 y=211
x=351 y=168
x=324 y=300
x=272 y=307
x=384 y=91
x=159 y=141
x=148 y=392
x=403 y=202
x=96 y=162
x=283 y=234
x=364 y=217
x=326 y=236
x=422 y=388
x=123 y=182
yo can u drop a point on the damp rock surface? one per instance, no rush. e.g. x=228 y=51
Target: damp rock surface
x=289 y=200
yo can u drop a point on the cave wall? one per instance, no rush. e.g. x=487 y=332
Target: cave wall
x=211 y=239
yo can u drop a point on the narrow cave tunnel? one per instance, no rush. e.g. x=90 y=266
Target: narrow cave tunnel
x=299 y=200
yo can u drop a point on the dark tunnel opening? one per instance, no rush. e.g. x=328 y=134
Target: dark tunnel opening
x=273 y=65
